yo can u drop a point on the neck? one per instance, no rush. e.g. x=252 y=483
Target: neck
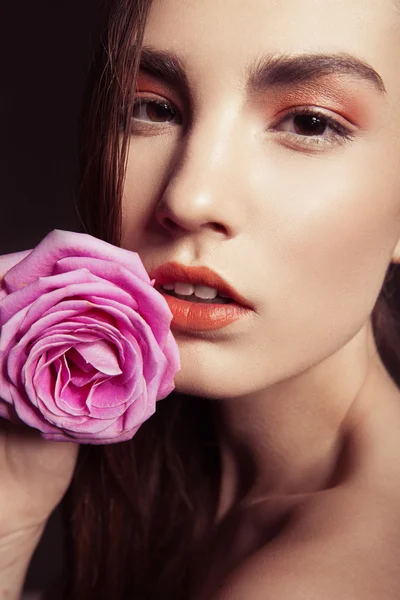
x=291 y=437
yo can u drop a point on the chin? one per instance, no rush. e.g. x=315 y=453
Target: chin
x=212 y=387
x=194 y=388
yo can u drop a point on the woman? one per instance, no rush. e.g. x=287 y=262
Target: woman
x=261 y=142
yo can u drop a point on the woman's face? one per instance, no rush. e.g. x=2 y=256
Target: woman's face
x=273 y=159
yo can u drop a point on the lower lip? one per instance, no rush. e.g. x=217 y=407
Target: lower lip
x=196 y=316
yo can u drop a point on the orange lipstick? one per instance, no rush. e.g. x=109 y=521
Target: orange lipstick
x=197 y=316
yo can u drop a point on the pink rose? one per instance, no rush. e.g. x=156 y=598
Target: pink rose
x=85 y=343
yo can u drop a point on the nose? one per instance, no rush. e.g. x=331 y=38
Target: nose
x=202 y=195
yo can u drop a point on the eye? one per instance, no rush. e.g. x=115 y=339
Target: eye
x=154 y=111
x=311 y=126
x=306 y=124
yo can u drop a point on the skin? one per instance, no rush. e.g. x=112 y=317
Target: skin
x=305 y=230
x=35 y=474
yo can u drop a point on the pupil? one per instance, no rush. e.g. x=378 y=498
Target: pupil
x=309 y=125
x=159 y=112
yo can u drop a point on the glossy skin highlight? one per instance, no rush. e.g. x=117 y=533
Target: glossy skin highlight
x=305 y=226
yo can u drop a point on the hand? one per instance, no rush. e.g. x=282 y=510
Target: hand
x=34 y=476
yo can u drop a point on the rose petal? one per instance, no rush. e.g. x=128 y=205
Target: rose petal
x=6 y=263
x=47 y=292
x=151 y=305
x=100 y=355
x=62 y=244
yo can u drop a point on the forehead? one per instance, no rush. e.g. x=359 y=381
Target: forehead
x=219 y=38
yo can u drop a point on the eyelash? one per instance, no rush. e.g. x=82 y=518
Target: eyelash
x=341 y=135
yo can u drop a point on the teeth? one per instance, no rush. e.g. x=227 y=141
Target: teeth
x=187 y=289
x=205 y=293
x=184 y=289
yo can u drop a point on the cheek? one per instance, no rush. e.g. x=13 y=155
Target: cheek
x=147 y=174
x=335 y=223
x=350 y=222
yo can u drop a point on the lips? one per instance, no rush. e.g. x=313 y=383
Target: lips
x=191 y=316
x=172 y=272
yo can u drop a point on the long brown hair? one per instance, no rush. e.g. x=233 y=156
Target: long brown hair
x=133 y=510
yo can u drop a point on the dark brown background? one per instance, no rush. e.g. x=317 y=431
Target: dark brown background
x=45 y=49
x=44 y=55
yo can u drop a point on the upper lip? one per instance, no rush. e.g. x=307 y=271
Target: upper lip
x=173 y=272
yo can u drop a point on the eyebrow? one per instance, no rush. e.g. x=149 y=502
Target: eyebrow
x=269 y=71
x=286 y=70
x=164 y=65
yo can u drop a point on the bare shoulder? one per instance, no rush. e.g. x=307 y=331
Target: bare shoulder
x=343 y=542
x=338 y=547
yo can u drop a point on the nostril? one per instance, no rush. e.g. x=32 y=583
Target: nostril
x=218 y=227
x=171 y=224
x=174 y=226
